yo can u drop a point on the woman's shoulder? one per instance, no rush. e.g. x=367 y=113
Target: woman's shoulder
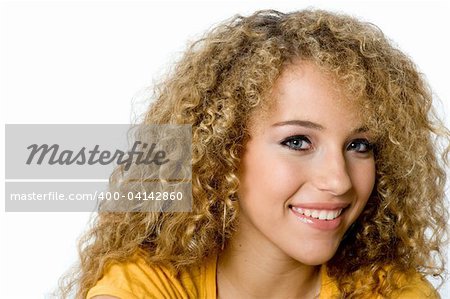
x=411 y=284
x=136 y=278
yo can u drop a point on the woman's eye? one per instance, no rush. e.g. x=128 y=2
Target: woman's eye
x=298 y=143
x=360 y=146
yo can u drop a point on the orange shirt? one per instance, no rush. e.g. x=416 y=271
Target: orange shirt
x=138 y=280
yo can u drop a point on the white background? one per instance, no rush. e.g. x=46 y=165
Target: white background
x=91 y=62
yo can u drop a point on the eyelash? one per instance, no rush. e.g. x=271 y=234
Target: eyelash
x=303 y=138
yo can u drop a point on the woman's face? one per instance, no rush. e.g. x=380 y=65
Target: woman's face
x=307 y=170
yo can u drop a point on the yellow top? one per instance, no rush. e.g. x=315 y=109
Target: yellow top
x=138 y=280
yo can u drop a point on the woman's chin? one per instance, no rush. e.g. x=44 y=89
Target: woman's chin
x=315 y=256
x=315 y=260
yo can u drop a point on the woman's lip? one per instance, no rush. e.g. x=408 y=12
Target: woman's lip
x=321 y=224
x=321 y=205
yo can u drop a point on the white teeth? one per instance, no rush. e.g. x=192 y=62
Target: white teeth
x=304 y=220
x=323 y=215
x=319 y=214
x=331 y=215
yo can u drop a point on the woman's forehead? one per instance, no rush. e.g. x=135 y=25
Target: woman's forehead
x=304 y=88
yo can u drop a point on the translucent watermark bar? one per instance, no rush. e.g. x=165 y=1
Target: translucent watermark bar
x=97 y=197
x=144 y=168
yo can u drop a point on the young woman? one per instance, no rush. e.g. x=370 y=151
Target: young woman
x=316 y=172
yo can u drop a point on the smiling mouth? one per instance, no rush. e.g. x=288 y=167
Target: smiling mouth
x=321 y=214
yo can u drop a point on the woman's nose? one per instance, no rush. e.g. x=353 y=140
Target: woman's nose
x=332 y=174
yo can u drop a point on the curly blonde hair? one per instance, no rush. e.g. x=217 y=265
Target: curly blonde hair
x=225 y=77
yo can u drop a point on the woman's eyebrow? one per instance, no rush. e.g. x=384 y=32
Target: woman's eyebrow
x=302 y=123
x=313 y=125
x=361 y=129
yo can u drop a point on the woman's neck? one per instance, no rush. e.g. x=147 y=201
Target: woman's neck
x=249 y=269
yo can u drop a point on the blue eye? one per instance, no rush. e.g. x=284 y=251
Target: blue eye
x=360 y=146
x=297 y=143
